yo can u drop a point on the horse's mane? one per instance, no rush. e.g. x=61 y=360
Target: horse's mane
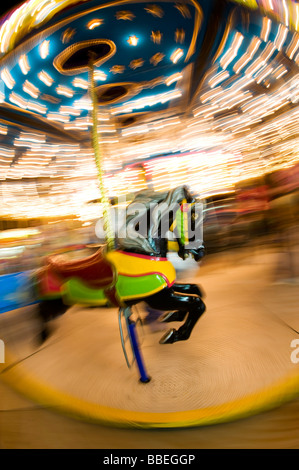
x=129 y=237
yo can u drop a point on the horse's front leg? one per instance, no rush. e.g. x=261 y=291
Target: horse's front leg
x=179 y=315
x=168 y=299
x=48 y=310
x=190 y=289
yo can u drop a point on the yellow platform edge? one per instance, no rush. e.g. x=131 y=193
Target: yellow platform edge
x=20 y=380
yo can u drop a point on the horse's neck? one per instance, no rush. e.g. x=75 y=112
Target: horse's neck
x=159 y=241
x=151 y=243
x=155 y=222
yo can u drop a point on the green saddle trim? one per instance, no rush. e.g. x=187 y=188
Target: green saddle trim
x=128 y=287
x=75 y=291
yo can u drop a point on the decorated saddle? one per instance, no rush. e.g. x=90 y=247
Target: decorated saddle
x=104 y=278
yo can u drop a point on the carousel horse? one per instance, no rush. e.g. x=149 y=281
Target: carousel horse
x=137 y=270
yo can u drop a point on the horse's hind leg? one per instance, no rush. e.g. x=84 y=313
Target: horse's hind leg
x=168 y=299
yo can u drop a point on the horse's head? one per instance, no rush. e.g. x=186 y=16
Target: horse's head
x=152 y=215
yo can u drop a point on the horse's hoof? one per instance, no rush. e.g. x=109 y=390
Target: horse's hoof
x=173 y=316
x=42 y=336
x=166 y=317
x=169 y=337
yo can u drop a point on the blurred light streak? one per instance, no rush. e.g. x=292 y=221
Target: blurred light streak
x=281 y=37
x=266 y=28
x=248 y=55
x=232 y=51
x=65 y=91
x=293 y=46
x=7 y=78
x=45 y=78
x=176 y=55
x=44 y=49
x=31 y=89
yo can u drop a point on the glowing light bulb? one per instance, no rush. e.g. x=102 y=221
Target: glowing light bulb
x=45 y=78
x=24 y=65
x=7 y=78
x=94 y=23
x=177 y=54
x=44 y=49
x=133 y=40
x=99 y=75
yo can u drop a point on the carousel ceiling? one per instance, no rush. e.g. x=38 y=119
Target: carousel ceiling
x=207 y=83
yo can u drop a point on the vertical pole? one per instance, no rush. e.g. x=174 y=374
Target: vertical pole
x=144 y=377
x=96 y=147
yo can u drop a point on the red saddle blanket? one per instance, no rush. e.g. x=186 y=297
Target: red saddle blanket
x=94 y=270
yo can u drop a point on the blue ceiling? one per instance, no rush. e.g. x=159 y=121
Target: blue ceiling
x=231 y=57
x=142 y=70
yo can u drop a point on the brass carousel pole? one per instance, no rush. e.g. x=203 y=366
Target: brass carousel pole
x=98 y=158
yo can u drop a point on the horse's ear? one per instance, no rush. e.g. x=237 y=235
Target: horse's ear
x=188 y=195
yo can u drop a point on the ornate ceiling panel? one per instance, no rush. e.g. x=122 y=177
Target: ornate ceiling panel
x=189 y=79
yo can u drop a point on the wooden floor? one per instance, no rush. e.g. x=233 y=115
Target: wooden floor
x=28 y=425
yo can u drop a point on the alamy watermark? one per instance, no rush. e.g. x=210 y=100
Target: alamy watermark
x=155 y=219
x=2 y=352
x=295 y=353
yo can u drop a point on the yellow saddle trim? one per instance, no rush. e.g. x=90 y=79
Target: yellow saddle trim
x=131 y=264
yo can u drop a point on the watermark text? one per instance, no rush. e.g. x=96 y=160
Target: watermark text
x=2 y=352
x=295 y=353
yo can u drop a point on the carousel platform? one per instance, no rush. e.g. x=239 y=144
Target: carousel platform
x=239 y=361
